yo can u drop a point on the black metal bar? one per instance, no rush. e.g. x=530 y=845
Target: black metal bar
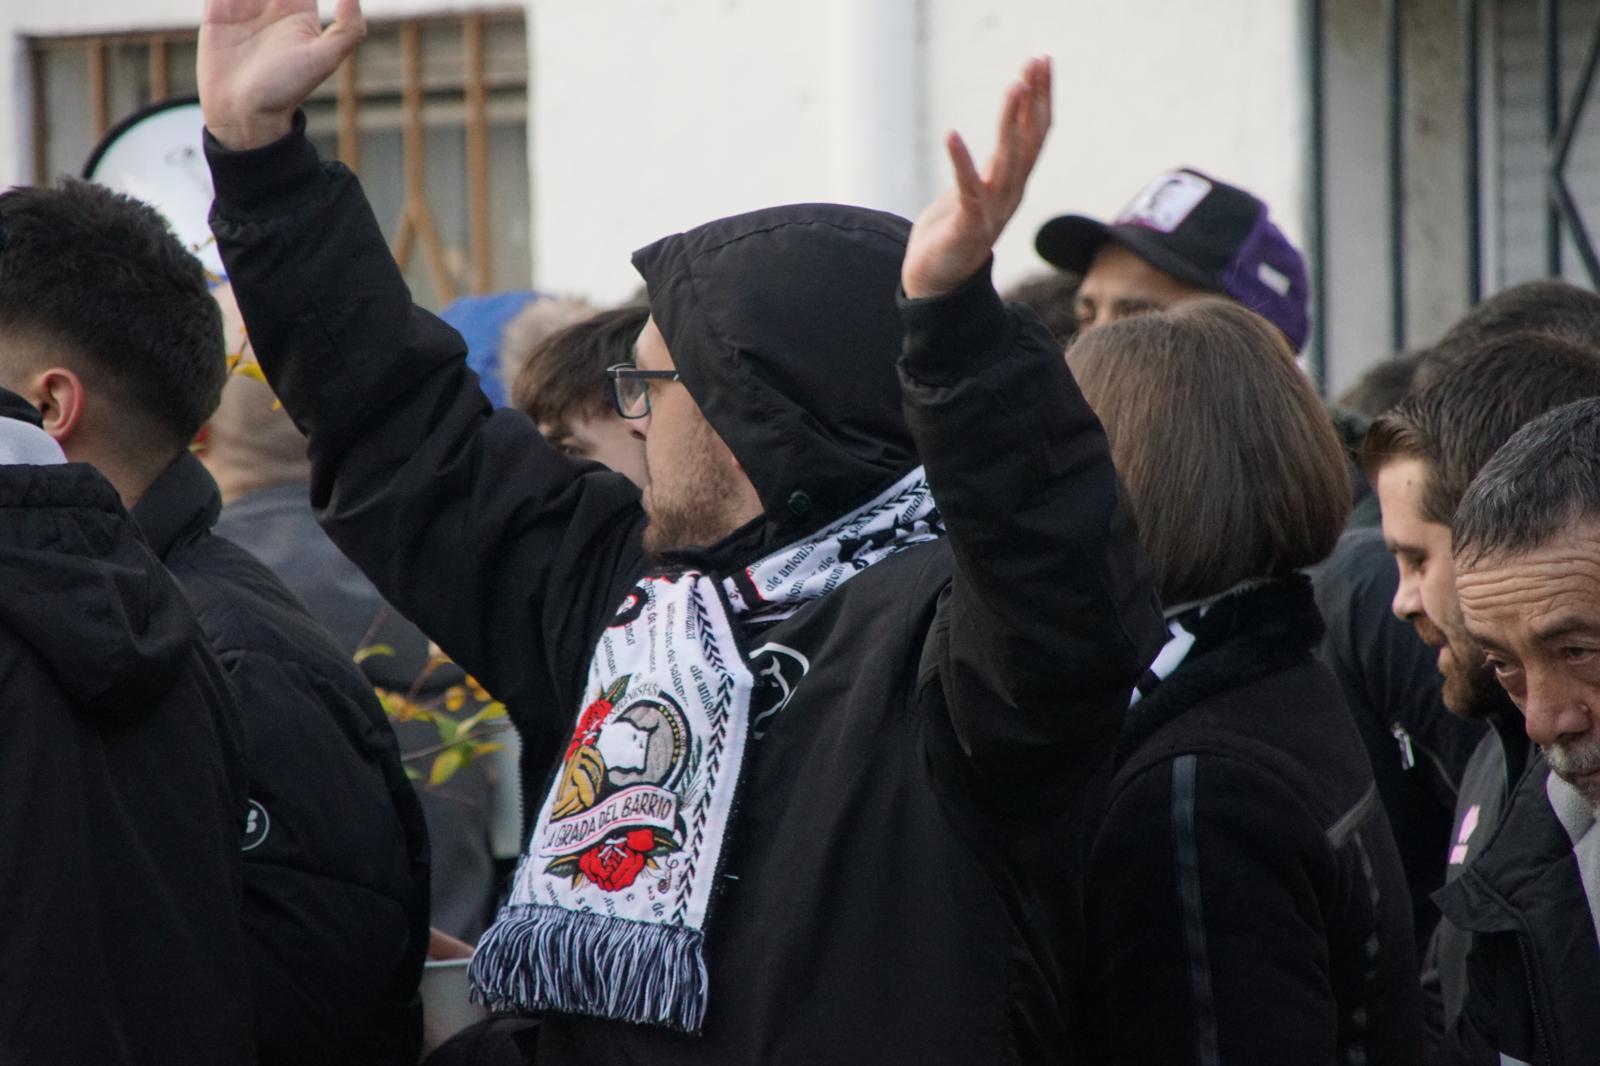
x=1576 y=229
x=1550 y=24
x=1560 y=193
x=1318 y=361
x=1397 y=185
x=1562 y=146
x=1474 y=128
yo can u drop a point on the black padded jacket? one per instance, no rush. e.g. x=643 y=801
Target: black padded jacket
x=122 y=773
x=335 y=849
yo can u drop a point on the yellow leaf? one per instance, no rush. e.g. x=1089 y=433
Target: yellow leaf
x=363 y=654
x=455 y=699
x=445 y=766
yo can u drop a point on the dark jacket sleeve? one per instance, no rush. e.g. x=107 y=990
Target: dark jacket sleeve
x=505 y=552
x=1204 y=918
x=1050 y=617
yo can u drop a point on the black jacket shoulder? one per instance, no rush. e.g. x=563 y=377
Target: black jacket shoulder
x=122 y=771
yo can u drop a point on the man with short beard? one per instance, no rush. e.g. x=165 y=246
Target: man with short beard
x=1526 y=547
x=869 y=726
x=1421 y=456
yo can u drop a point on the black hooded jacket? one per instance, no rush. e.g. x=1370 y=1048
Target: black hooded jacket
x=335 y=850
x=121 y=772
x=901 y=880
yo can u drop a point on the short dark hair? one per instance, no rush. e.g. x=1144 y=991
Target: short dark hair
x=1459 y=420
x=1053 y=296
x=1544 y=306
x=101 y=275
x=1231 y=462
x=565 y=374
x=1384 y=385
x=1545 y=480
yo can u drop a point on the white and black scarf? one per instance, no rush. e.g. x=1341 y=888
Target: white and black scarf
x=608 y=911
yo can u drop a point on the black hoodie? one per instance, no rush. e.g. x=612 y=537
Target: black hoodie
x=122 y=775
x=901 y=880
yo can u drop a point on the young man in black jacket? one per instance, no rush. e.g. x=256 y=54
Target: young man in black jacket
x=1528 y=576
x=806 y=778
x=107 y=326
x=121 y=785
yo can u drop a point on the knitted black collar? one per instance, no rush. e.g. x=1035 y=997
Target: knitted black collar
x=1239 y=638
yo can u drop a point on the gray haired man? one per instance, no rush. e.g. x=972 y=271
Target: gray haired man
x=1526 y=541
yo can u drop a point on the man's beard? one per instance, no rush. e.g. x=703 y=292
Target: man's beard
x=1571 y=762
x=1469 y=689
x=700 y=512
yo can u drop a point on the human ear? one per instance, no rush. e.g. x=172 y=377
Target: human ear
x=59 y=396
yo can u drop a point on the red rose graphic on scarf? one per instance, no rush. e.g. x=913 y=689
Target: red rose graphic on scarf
x=615 y=863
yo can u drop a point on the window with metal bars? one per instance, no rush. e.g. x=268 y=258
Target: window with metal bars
x=431 y=113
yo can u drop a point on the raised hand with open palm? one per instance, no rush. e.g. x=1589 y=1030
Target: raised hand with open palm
x=954 y=234
x=259 y=59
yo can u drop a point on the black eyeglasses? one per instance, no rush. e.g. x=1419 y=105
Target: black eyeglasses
x=630 y=388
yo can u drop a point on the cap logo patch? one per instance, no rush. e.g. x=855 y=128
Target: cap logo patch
x=1273 y=278
x=1166 y=202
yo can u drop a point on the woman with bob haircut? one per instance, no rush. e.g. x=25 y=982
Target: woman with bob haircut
x=1245 y=899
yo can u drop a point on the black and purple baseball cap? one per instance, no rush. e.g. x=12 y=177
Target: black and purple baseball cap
x=1204 y=232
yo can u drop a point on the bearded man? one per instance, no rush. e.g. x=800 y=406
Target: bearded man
x=873 y=722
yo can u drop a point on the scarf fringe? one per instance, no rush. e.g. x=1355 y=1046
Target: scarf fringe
x=545 y=958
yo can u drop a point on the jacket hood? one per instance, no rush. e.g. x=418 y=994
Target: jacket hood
x=784 y=326
x=85 y=593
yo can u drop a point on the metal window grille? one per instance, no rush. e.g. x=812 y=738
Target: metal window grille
x=432 y=113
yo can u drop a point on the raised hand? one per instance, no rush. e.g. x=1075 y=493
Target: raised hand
x=259 y=59
x=954 y=234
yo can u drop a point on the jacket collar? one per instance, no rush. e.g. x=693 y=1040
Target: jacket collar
x=1512 y=734
x=1526 y=865
x=1243 y=636
x=181 y=503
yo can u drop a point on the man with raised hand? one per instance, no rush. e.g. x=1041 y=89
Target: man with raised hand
x=807 y=758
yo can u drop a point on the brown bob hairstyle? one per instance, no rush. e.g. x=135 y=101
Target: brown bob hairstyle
x=1231 y=462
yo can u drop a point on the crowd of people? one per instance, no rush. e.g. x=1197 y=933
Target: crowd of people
x=900 y=673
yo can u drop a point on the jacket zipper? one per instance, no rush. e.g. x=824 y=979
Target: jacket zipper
x=1408 y=754
x=1541 y=1045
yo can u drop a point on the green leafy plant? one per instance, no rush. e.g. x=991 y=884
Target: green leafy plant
x=466 y=716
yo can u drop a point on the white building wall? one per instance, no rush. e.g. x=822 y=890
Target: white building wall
x=649 y=116
x=1141 y=86
x=742 y=103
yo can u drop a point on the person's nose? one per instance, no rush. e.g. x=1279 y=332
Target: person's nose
x=1554 y=708
x=1407 y=603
